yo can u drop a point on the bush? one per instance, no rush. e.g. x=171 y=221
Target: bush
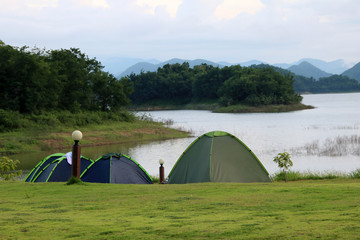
x=7 y=168
x=296 y=175
x=74 y=180
x=356 y=173
x=10 y=120
x=284 y=162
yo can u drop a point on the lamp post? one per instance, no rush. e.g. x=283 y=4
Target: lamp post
x=161 y=171
x=76 y=150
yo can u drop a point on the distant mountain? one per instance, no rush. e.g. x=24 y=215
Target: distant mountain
x=243 y=64
x=308 y=70
x=334 y=67
x=283 y=65
x=149 y=67
x=353 y=72
x=116 y=65
x=124 y=66
x=225 y=64
x=251 y=62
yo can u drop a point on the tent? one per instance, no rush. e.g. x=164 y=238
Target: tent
x=116 y=168
x=55 y=168
x=218 y=157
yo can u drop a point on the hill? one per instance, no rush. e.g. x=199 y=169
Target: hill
x=353 y=72
x=334 y=67
x=116 y=65
x=124 y=66
x=128 y=66
x=308 y=70
x=150 y=67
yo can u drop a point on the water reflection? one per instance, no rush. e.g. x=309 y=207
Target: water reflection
x=335 y=115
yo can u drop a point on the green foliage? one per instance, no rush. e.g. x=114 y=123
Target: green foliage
x=296 y=176
x=10 y=120
x=284 y=162
x=331 y=84
x=179 y=84
x=334 y=83
x=356 y=173
x=74 y=180
x=8 y=168
x=36 y=80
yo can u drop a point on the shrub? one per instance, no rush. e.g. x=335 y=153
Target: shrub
x=284 y=162
x=7 y=168
x=74 y=180
x=356 y=173
x=297 y=175
x=10 y=120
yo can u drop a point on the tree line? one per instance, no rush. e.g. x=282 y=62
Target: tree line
x=36 y=80
x=332 y=84
x=180 y=84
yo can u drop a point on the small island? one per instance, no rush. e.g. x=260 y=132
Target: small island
x=233 y=89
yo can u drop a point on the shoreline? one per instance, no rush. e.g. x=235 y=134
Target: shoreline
x=215 y=108
x=32 y=140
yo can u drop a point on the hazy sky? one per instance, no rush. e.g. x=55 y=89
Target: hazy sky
x=219 y=30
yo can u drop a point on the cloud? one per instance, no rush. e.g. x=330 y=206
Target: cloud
x=95 y=3
x=40 y=4
x=16 y=5
x=171 y=6
x=237 y=30
x=229 y=9
x=32 y=7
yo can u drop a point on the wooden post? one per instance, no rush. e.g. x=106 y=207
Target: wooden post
x=161 y=170
x=76 y=151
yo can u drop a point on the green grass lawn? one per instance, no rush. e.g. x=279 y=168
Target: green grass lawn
x=321 y=209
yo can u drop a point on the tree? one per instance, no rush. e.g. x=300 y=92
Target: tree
x=7 y=168
x=284 y=162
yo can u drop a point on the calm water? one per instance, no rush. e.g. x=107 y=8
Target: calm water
x=322 y=139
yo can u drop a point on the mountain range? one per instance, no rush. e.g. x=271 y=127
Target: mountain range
x=307 y=67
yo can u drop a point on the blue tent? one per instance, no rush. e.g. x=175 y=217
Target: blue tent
x=116 y=168
x=55 y=168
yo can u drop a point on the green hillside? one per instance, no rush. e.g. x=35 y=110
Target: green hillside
x=353 y=72
x=308 y=70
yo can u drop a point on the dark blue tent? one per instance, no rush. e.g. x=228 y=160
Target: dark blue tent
x=116 y=168
x=37 y=169
x=55 y=168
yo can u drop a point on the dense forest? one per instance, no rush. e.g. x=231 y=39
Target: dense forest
x=35 y=80
x=180 y=84
x=331 y=84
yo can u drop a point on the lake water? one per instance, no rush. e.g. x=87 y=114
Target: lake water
x=326 y=138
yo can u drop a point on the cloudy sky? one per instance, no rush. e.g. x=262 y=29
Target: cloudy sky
x=273 y=31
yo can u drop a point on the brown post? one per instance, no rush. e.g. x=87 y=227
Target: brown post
x=161 y=169
x=76 y=160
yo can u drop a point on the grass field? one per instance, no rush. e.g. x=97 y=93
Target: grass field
x=321 y=209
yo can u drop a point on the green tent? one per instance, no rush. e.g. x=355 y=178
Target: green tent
x=218 y=157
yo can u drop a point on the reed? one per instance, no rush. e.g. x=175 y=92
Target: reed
x=319 y=175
